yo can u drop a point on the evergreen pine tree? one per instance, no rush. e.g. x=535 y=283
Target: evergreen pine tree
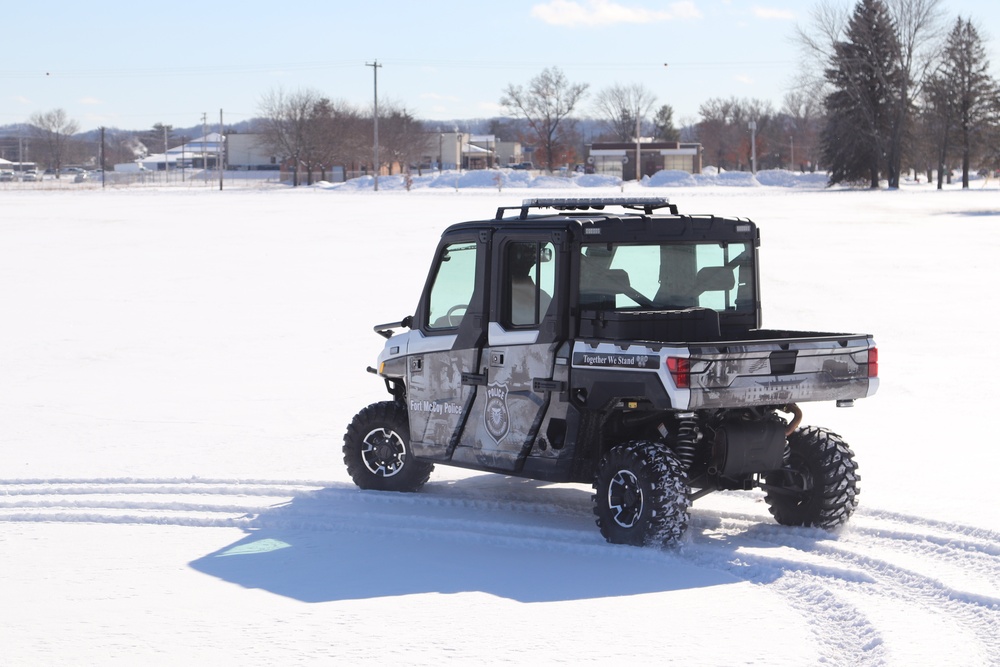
x=967 y=68
x=664 y=122
x=866 y=78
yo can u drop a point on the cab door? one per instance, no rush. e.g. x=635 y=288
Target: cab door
x=526 y=326
x=445 y=351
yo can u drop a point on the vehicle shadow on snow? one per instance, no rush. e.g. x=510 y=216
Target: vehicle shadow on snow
x=537 y=545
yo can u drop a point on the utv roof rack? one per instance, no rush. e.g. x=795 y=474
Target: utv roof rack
x=645 y=204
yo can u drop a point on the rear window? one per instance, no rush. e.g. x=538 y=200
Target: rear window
x=719 y=276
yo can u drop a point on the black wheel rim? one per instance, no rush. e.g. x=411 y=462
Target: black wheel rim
x=383 y=452
x=625 y=498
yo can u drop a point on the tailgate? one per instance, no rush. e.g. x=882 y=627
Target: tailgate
x=775 y=372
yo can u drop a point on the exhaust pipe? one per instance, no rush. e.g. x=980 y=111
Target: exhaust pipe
x=796 y=413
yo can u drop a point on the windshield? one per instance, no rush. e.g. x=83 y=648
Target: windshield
x=623 y=276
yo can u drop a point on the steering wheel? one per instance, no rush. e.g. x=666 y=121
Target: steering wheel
x=453 y=310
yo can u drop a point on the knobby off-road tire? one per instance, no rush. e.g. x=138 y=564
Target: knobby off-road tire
x=823 y=481
x=377 y=450
x=641 y=495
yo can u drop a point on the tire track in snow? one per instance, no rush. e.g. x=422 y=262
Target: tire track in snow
x=844 y=633
x=166 y=485
x=157 y=501
x=896 y=566
x=274 y=504
x=946 y=570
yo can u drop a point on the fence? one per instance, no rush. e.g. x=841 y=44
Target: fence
x=191 y=178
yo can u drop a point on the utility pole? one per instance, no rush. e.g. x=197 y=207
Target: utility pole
x=204 y=138
x=753 y=147
x=375 y=66
x=166 y=164
x=638 y=148
x=221 y=149
x=102 y=158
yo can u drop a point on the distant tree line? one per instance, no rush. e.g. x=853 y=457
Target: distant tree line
x=891 y=88
x=316 y=133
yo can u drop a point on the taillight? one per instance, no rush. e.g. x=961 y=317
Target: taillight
x=873 y=362
x=680 y=371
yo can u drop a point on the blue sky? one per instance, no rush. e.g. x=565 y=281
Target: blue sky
x=133 y=64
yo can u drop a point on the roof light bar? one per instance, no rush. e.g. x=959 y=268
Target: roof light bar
x=584 y=203
x=645 y=204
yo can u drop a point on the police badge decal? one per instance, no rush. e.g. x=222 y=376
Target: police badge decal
x=496 y=417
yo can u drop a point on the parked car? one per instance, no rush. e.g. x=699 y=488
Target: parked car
x=30 y=175
x=6 y=176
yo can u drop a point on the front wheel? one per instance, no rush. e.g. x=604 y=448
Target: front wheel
x=818 y=485
x=377 y=450
x=641 y=495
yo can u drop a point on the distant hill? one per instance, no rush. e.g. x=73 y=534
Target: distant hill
x=590 y=129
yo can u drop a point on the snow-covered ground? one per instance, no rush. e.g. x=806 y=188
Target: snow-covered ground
x=177 y=366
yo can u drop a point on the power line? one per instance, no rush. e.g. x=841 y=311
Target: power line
x=244 y=68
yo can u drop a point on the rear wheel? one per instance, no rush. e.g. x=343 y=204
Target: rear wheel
x=818 y=485
x=377 y=450
x=641 y=495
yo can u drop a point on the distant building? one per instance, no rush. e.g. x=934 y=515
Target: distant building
x=201 y=153
x=618 y=158
x=247 y=152
x=474 y=151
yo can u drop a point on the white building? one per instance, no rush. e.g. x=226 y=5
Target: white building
x=204 y=152
x=247 y=152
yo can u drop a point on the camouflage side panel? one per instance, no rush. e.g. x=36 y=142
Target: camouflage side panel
x=633 y=357
x=772 y=373
x=436 y=399
x=507 y=413
x=735 y=375
x=435 y=395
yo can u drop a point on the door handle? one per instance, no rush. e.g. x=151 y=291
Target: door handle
x=542 y=385
x=473 y=378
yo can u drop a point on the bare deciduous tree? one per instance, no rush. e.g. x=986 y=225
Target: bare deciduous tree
x=803 y=108
x=620 y=105
x=345 y=134
x=284 y=124
x=336 y=134
x=402 y=138
x=918 y=27
x=715 y=132
x=816 y=40
x=545 y=104
x=937 y=121
x=55 y=130
x=725 y=136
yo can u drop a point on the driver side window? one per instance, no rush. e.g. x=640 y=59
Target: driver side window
x=530 y=280
x=453 y=286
